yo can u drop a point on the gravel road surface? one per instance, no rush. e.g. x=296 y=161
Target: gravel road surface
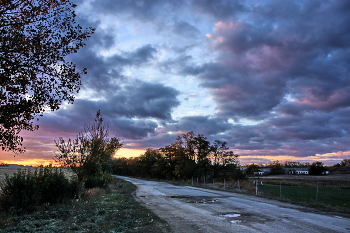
x=191 y=209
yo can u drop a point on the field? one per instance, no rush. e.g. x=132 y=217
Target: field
x=327 y=196
x=330 y=192
x=11 y=170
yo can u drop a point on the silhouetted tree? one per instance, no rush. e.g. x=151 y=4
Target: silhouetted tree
x=251 y=169
x=295 y=164
x=120 y=167
x=35 y=38
x=317 y=168
x=90 y=154
x=276 y=167
x=343 y=163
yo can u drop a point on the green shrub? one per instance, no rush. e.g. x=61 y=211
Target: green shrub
x=25 y=190
x=53 y=185
x=20 y=191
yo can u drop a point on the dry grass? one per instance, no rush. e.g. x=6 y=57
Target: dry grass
x=94 y=193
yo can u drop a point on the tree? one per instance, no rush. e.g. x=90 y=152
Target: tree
x=177 y=156
x=35 y=38
x=291 y=164
x=276 y=168
x=90 y=154
x=121 y=167
x=344 y=163
x=317 y=168
x=151 y=164
x=218 y=152
x=251 y=169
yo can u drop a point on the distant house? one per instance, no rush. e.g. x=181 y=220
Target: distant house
x=325 y=173
x=262 y=172
x=296 y=171
x=302 y=172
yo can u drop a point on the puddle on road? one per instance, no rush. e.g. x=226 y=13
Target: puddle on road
x=179 y=196
x=205 y=201
x=195 y=199
x=244 y=218
x=231 y=215
x=235 y=221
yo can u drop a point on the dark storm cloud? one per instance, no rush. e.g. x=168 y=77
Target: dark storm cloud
x=220 y=9
x=292 y=135
x=206 y=125
x=141 y=100
x=138 y=57
x=182 y=64
x=185 y=29
x=262 y=63
x=240 y=94
x=133 y=129
x=200 y=124
x=145 y=10
x=106 y=73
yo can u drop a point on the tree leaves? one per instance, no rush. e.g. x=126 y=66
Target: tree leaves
x=90 y=153
x=35 y=38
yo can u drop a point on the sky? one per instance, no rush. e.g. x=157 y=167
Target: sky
x=271 y=78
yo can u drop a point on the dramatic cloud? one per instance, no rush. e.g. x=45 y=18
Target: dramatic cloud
x=269 y=77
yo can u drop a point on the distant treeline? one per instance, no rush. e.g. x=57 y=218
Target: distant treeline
x=315 y=168
x=189 y=156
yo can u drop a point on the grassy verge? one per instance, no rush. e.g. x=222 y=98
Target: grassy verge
x=99 y=211
x=328 y=199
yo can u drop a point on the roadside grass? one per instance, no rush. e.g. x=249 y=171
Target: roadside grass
x=99 y=210
x=330 y=199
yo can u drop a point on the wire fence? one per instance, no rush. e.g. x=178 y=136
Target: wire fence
x=331 y=194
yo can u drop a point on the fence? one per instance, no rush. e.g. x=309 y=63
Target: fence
x=331 y=194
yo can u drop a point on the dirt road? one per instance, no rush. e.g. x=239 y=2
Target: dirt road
x=190 y=209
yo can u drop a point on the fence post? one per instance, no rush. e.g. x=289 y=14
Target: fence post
x=317 y=192
x=192 y=180
x=197 y=181
x=256 y=187
x=280 y=189
x=224 y=184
